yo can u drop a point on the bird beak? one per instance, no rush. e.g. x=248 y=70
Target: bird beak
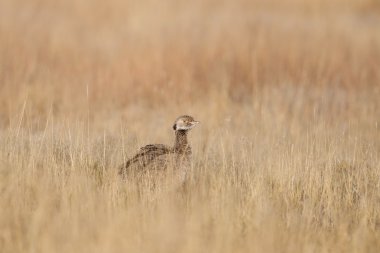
x=196 y=122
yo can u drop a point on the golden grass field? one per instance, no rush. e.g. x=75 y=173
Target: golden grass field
x=287 y=156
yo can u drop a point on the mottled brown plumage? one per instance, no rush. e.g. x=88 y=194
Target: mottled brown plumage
x=159 y=157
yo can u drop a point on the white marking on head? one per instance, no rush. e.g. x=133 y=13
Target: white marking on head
x=185 y=123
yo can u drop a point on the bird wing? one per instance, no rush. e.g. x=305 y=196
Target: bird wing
x=145 y=156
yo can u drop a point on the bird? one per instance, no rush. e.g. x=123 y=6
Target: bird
x=161 y=158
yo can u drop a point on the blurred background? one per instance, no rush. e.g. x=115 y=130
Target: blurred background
x=124 y=57
x=286 y=157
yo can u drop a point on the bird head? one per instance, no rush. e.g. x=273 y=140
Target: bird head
x=184 y=122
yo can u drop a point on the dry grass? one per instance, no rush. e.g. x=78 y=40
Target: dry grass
x=286 y=158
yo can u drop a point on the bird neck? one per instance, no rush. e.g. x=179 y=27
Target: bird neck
x=181 y=145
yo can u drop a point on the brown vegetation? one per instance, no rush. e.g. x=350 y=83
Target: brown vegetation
x=287 y=155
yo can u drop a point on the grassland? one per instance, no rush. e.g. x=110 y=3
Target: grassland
x=287 y=158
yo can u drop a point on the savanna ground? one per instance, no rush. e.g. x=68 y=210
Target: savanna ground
x=286 y=158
